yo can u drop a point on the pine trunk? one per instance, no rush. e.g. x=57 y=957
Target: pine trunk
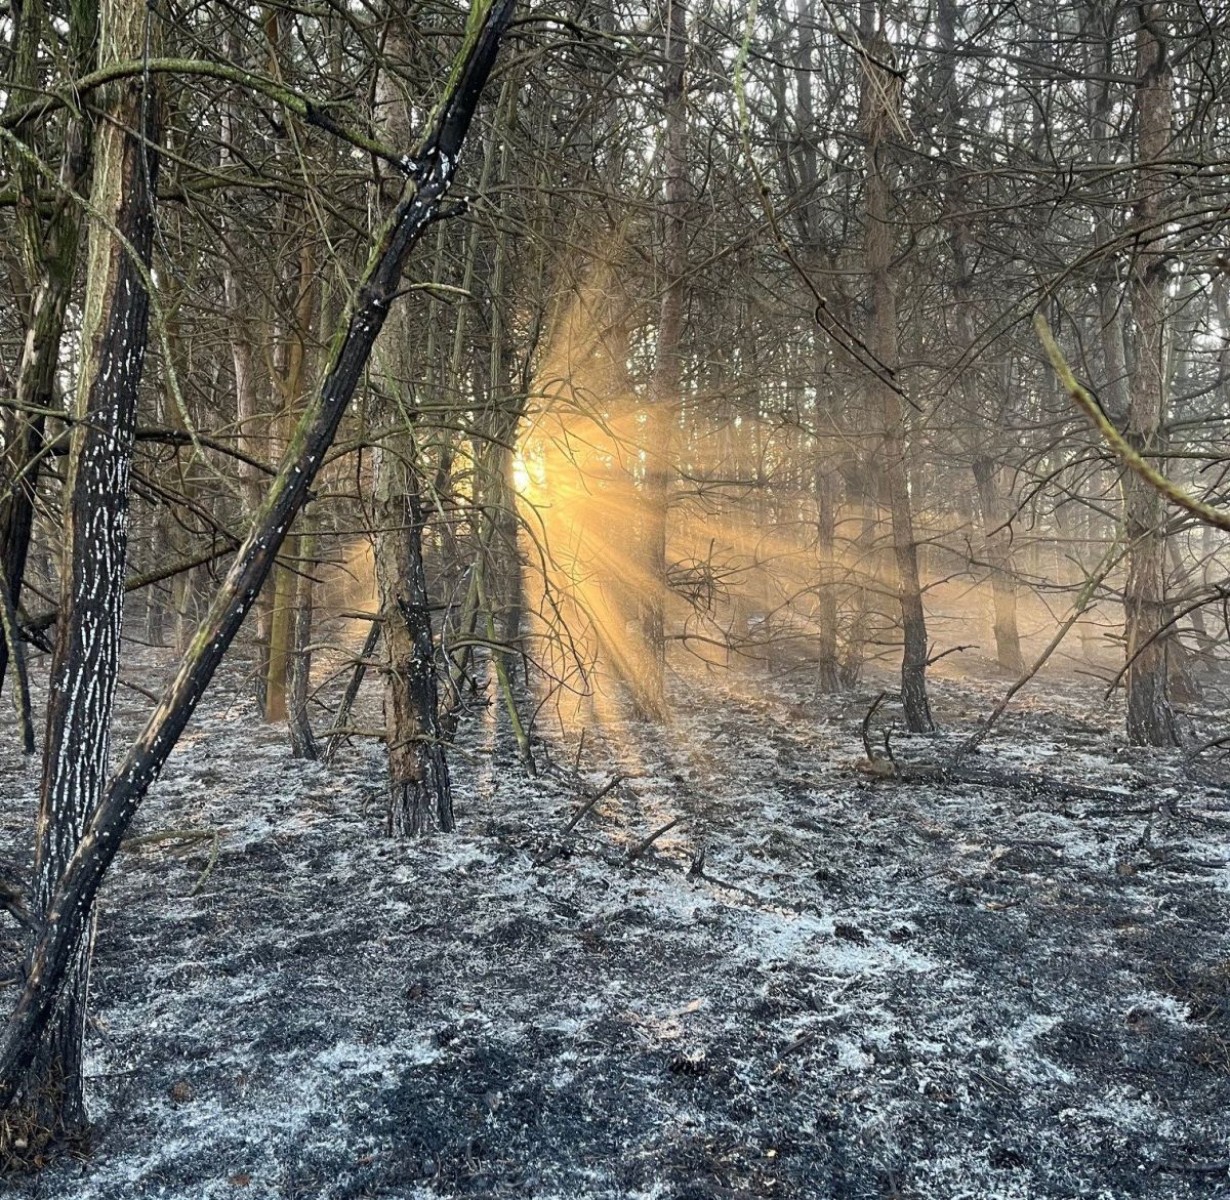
x=881 y=105
x=650 y=692
x=1150 y=720
x=1003 y=582
x=299 y=672
x=420 y=794
x=86 y=659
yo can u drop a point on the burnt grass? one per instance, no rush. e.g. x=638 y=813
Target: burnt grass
x=866 y=988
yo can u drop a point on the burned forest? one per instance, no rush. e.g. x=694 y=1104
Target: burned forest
x=621 y=602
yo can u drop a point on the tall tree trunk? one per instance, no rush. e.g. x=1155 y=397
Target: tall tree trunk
x=50 y=256
x=496 y=580
x=881 y=115
x=299 y=672
x=184 y=590
x=974 y=408
x=1101 y=95
x=291 y=383
x=420 y=794
x=825 y=487
x=247 y=419
x=650 y=693
x=992 y=511
x=86 y=659
x=277 y=656
x=1150 y=720
x=826 y=476
x=503 y=580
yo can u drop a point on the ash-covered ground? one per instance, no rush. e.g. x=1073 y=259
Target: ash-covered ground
x=867 y=988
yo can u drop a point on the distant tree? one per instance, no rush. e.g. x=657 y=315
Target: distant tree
x=882 y=122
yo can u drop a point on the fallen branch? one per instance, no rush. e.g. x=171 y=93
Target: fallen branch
x=558 y=847
x=203 y=877
x=804 y=1039
x=189 y=838
x=1210 y=1168
x=605 y=790
x=642 y=847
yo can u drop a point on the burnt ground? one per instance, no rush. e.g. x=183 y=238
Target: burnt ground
x=874 y=989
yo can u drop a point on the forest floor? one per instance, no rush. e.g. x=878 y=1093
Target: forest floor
x=871 y=988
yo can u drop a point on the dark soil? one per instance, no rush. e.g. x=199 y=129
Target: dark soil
x=866 y=989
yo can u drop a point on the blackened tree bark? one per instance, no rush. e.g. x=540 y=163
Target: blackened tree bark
x=249 y=427
x=496 y=579
x=299 y=672
x=20 y=679
x=67 y=915
x=1150 y=720
x=420 y=796
x=86 y=659
x=829 y=448
x=997 y=540
x=881 y=118
x=290 y=376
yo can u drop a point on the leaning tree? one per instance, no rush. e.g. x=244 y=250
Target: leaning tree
x=84 y=813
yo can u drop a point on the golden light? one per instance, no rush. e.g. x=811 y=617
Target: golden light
x=521 y=475
x=745 y=568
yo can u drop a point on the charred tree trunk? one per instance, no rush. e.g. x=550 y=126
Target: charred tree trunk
x=881 y=115
x=825 y=486
x=290 y=383
x=247 y=417
x=506 y=408
x=976 y=409
x=1003 y=583
x=281 y=596
x=86 y=660
x=299 y=673
x=828 y=448
x=68 y=913
x=20 y=678
x=1150 y=720
x=420 y=795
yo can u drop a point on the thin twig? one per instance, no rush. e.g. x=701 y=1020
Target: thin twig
x=607 y=788
x=945 y=653
x=209 y=866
